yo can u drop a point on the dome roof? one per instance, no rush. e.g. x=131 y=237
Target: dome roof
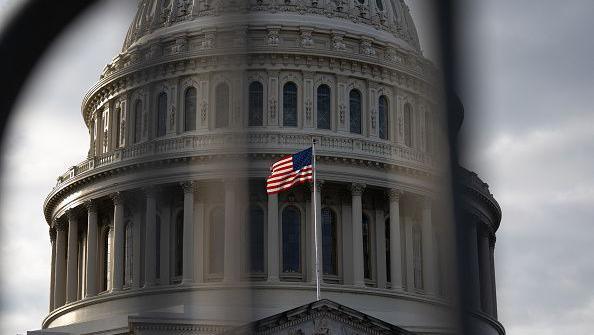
x=388 y=16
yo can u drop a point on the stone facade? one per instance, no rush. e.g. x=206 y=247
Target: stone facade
x=168 y=218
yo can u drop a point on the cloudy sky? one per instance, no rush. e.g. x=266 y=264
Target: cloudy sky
x=528 y=95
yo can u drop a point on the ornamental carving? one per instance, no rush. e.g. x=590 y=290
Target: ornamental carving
x=209 y=40
x=172 y=117
x=179 y=46
x=367 y=48
x=308 y=109
x=341 y=113
x=338 y=43
x=272 y=108
x=306 y=39
x=273 y=38
x=203 y=109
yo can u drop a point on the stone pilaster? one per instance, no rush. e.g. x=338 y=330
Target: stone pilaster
x=357 y=218
x=428 y=249
x=232 y=254
x=395 y=240
x=485 y=273
x=72 y=258
x=92 y=241
x=273 y=245
x=150 y=261
x=189 y=189
x=60 y=271
x=52 y=234
x=118 y=241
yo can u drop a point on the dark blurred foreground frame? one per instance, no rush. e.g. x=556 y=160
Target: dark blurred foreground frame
x=24 y=40
x=38 y=22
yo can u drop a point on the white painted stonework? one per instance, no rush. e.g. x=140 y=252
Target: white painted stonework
x=151 y=232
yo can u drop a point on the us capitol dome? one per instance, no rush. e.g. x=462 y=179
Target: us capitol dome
x=166 y=227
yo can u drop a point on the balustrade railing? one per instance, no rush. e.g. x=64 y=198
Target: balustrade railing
x=198 y=144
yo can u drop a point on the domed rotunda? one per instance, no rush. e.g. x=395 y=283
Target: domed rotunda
x=166 y=227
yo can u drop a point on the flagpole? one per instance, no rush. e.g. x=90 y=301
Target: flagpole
x=315 y=202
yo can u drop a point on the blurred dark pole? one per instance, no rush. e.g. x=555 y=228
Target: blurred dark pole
x=448 y=11
x=23 y=42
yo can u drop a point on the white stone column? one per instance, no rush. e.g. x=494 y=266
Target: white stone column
x=150 y=242
x=199 y=236
x=273 y=245
x=118 y=242
x=232 y=257
x=72 y=263
x=395 y=240
x=410 y=266
x=485 y=273
x=165 y=245
x=92 y=241
x=189 y=189
x=316 y=215
x=60 y=272
x=357 y=217
x=52 y=233
x=472 y=268
x=493 y=285
x=380 y=248
x=428 y=250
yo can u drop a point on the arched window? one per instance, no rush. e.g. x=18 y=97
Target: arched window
x=417 y=257
x=255 y=240
x=162 y=114
x=190 y=109
x=178 y=245
x=256 y=104
x=323 y=107
x=383 y=117
x=329 y=242
x=291 y=239
x=355 y=111
x=222 y=105
x=128 y=253
x=367 y=269
x=158 y=247
x=137 y=120
x=216 y=246
x=118 y=126
x=408 y=125
x=290 y=105
x=388 y=259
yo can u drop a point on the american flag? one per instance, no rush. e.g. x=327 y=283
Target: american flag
x=290 y=171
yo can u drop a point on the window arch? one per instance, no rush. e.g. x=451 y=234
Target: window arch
x=417 y=257
x=383 y=112
x=408 y=125
x=255 y=104
x=323 y=107
x=118 y=126
x=137 y=120
x=222 y=105
x=255 y=240
x=190 y=109
x=290 y=105
x=329 y=242
x=161 y=114
x=216 y=247
x=128 y=253
x=291 y=239
x=367 y=245
x=355 y=111
x=178 y=245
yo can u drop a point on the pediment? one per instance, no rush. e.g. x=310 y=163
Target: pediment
x=323 y=317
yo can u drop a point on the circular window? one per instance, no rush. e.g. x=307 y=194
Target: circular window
x=380 y=5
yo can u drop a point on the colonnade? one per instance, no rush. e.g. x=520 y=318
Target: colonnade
x=411 y=268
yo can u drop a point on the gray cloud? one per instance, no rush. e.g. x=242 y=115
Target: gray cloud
x=45 y=136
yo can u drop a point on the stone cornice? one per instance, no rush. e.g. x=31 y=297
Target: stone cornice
x=124 y=78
